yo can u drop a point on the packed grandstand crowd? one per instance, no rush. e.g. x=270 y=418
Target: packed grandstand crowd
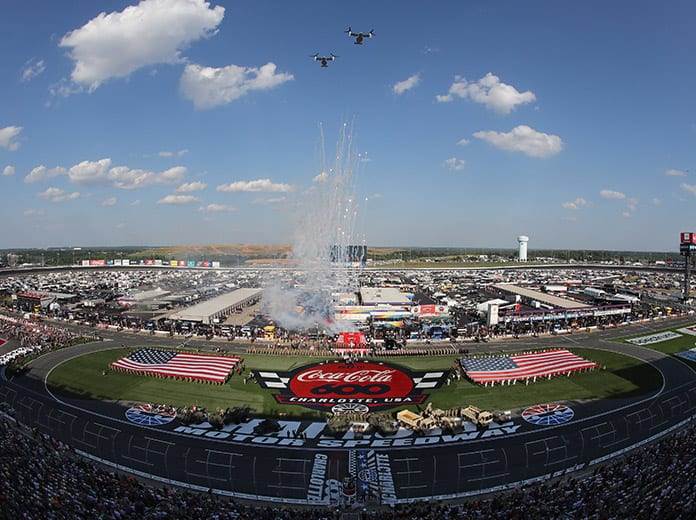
x=34 y=337
x=43 y=478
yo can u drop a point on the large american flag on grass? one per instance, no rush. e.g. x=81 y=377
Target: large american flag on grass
x=496 y=369
x=178 y=364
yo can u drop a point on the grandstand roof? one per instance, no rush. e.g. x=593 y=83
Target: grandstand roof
x=205 y=311
x=383 y=295
x=549 y=299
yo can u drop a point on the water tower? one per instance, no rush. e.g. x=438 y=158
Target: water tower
x=522 y=241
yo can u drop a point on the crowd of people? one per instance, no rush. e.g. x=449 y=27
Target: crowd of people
x=42 y=478
x=34 y=337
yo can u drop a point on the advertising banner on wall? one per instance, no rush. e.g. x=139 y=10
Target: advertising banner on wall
x=430 y=311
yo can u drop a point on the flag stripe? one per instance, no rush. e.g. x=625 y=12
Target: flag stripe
x=524 y=366
x=173 y=364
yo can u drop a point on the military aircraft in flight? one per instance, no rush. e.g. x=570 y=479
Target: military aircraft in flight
x=324 y=59
x=359 y=36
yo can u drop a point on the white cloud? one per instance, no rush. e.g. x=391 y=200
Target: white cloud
x=8 y=170
x=270 y=200
x=120 y=225
x=524 y=139
x=101 y=172
x=611 y=194
x=178 y=153
x=178 y=199
x=188 y=187
x=576 y=204
x=32 y=69
x=463 y=142
x=691 y=188
x=116 y=44
x=675 y=173
x=111 y=201
x=407 y=84
x=136 y=202
x=121 y=177
x=488 y=91
x=32 y=212
x=209 y=87
x=321 y=177
x=632 y=204
x=216 y=207
x=41 y=173
x=8 y=137
x=90 y=172
x=454 y=164
x=257 y=185
x=58 y=195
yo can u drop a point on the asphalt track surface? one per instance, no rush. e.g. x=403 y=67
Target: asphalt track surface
x=309 y=468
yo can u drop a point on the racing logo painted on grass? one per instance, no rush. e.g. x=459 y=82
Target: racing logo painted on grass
x=550 y=414
x=148 y=415
x=350 y=385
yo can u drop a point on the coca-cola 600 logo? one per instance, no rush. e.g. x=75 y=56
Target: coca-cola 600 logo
x=350 y=386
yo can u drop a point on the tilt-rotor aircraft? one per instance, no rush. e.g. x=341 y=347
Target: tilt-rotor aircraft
x=359 y=36
x=324 y=59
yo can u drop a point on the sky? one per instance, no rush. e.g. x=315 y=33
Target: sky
x=172 y=122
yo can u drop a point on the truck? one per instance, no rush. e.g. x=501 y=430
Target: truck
x=477 y=416
x=415 y=421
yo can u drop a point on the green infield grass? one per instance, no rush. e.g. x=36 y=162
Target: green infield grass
x=83 y=377
x=672 y=346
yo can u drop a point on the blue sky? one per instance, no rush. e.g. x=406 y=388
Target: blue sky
x=191 y=122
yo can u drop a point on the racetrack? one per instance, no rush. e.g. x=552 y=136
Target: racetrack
x=299 y=465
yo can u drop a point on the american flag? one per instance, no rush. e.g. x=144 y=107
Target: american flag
x=177 y=364
x=518 y=367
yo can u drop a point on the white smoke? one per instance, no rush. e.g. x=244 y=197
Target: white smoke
x=325 y=224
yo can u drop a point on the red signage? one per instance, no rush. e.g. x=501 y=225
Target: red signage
x=688 y=238
x=358 y=385
x=356 y=339
x=359 y=379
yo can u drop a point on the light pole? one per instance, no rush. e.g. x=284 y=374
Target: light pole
x=687 y=246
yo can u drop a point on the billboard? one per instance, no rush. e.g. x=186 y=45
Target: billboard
x=688 y=238
x=430 y=311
